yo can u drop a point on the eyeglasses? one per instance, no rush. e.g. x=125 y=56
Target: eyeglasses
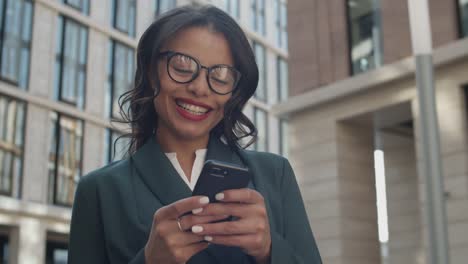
x=222 y=79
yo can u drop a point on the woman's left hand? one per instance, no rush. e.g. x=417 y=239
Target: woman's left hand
x=251 y=231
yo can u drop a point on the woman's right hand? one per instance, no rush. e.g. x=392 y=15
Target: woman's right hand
x=167 y=243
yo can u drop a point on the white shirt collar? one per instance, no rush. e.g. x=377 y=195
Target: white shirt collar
x=200 y=155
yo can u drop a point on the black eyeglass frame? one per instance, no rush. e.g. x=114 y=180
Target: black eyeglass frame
x=169 y=54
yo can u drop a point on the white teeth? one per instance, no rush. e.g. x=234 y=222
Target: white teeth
x=194 y=109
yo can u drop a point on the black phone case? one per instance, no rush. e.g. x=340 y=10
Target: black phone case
x=217 y=176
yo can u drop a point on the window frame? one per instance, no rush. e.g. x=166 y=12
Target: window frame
x=115 y=8
x=462 y=28
x=255 y=120
x=376 y=47
x=257 y=14
x=263 y=76
x=111 y=143
x=110 y=93
x=51 y=245
x=84 y=10
x=158 y=12
x=19 y=181
x=60 y=58
x=57 y=138
x=3 y=9
x=279 y=79
x=283 y=136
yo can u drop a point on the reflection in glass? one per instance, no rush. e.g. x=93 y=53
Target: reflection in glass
x=4 y=249
x=282 y=75
x=163 y=6
x=80 y=5
x=56 y=253
x=124 y=15
x=365 y=34
x=258 y=16
x=70 y=62
x=463 y=8
x=260 y=57
x=65 y=158
x=260 y=120
x=12 y=122
x=232 y=7
x=284 y=137
x=115 y=146
x=281 y=23
x=120 y=75
x=15 y=24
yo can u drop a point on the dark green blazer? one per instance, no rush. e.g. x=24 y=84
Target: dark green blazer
x=114 y=207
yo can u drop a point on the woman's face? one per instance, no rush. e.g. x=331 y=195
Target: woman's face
x=188 y=111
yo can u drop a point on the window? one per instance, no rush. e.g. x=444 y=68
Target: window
x=281 y=22
x=284 y=137
x=114 y=141
x=12 y=119
x=260 y=57
x=260 y=120
x=70 y=62
x=463 y=14
x=365 y=35
x=164 y=6
x=232 y=7
x=56 y=253
x=282 y=79
x=65 y=158
x=120 y=75
x=80 y=5
x=258 y=16
x=15 y=41
x=3 y=249
x=123 y=15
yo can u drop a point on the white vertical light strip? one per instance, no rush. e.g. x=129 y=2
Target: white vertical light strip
x=420 y=23
x=381 y=193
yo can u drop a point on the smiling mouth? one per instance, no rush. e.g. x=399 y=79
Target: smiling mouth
x=193 y=109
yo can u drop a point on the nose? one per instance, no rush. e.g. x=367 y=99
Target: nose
x=199 y=86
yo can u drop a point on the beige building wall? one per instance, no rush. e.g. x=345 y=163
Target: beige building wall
x=331 y=153
x=404 y=211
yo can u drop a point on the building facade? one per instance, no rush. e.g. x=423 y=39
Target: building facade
x=64 y=64
x=354 y=115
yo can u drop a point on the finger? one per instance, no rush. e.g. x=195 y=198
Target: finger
x=240 y=227
x=182 y=239
x=244 y=195
x=186 y=222
x=234 y=209
x=247 y=242
x=176 y=209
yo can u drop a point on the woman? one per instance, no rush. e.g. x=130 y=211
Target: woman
x=195 y=73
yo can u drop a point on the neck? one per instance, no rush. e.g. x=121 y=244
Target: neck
x=181 y=146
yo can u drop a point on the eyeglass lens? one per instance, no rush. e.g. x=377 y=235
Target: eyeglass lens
x=184 y=69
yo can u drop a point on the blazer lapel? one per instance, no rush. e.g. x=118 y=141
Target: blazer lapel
x=158 y=173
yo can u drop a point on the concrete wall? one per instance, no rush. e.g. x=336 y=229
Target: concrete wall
x=319 y=156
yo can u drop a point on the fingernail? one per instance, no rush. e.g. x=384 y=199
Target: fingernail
x=219 y=196
x=208 y=238
x=197 y=229
x=204 y=200
x=197 y=211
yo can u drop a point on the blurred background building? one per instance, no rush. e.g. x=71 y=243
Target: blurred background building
x=64 y=64
x=354 y=126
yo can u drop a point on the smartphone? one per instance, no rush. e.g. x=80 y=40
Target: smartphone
x=217 y=176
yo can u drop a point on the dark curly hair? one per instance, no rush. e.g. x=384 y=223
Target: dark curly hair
x=136 y=105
